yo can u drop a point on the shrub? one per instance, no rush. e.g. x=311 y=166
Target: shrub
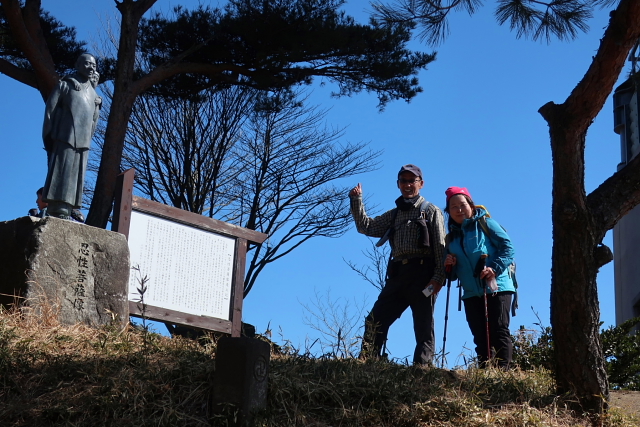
x=621 y=349
x=620 y=345
x=533 y=349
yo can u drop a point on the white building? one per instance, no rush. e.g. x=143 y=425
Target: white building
x=626 y=234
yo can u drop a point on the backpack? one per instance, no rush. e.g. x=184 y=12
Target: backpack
x=511 y=268
x=389 y=233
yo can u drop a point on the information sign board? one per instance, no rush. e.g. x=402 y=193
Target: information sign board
x=187 y=269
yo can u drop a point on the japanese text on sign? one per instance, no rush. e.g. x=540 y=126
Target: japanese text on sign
x=188 y=269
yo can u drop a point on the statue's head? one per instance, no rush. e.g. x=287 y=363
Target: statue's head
x=86 y=65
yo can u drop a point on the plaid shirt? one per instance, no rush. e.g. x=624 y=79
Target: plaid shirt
x=406 y=235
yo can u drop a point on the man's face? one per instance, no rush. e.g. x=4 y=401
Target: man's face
x=41 y=203
x=409 y=185
x=86 y=65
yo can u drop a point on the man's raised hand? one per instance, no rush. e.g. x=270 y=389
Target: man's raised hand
x=356 y=191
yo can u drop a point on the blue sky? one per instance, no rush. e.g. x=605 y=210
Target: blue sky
x=475 y=125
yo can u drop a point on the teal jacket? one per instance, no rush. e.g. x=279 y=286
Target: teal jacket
x=468 y=242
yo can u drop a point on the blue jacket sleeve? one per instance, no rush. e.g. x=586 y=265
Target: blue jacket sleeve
x=505 y=252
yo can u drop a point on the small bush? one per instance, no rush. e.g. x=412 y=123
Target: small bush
x=533 y=349
x=621 y=349
x=620 y=344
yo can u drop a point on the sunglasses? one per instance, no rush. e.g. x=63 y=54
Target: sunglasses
x=409 y=181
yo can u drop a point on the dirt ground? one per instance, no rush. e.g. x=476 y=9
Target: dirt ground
x=629 y=401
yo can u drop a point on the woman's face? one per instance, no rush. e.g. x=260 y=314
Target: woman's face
x=459 y=209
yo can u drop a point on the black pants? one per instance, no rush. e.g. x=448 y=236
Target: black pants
x=498 y=307
x=403 y=289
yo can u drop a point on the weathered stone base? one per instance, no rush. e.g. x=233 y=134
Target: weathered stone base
x=78 y=272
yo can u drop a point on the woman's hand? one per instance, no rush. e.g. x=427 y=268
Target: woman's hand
x=487 y=273
x=450 y=260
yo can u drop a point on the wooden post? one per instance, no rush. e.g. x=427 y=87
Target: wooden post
x=123 y=199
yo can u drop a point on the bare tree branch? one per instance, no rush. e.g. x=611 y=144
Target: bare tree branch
x=263 y=162
x=615 y=197
x=288 y=165
x=337 y=321
x=20 y=74
x=375 y=272
x=22 y=27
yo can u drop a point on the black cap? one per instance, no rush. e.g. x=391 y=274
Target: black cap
x=411 y=168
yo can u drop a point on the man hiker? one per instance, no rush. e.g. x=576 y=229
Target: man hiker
x=415 y=231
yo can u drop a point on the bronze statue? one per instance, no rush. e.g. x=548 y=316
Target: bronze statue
x=71 y=115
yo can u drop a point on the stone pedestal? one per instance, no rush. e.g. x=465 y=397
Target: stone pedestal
x=241 y=376
x=77 y=272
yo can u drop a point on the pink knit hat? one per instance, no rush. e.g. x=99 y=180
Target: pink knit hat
x=452 y=191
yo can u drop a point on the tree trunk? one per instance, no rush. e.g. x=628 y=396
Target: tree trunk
x=575 y=312
x=580 y=221
x=25 y=27
x=113 y=146
x=124 y=94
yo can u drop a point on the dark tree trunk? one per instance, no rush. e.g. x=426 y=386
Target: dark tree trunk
x=580 y=221
x=575 y=312
x=104 y=191
x=25 y=26
x=124 y=95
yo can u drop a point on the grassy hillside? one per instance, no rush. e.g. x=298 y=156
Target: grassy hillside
x=53 y=375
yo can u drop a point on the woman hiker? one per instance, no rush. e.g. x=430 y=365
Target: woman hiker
x=479 y=255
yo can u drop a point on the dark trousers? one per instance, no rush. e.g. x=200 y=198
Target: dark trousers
x=404 y=286
x=498 y=307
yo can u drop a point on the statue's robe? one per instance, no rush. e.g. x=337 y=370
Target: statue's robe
x=69 y=122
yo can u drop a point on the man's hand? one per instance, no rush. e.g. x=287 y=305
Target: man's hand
x=436 y=286
x=356 y=191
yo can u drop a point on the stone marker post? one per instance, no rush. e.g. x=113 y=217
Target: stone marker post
x=240 y=379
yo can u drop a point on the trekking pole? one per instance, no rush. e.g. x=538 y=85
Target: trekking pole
x=479 y=267
x=446 y=314
x=486 y=316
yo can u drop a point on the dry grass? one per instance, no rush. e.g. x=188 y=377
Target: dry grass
x=53 y=375
x=311 y=392
x=80 y=376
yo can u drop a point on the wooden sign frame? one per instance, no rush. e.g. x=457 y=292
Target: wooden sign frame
x=126 y=203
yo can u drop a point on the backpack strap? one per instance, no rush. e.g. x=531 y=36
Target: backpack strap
x=389 y=233
x=423 y=208
x=424 y=223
